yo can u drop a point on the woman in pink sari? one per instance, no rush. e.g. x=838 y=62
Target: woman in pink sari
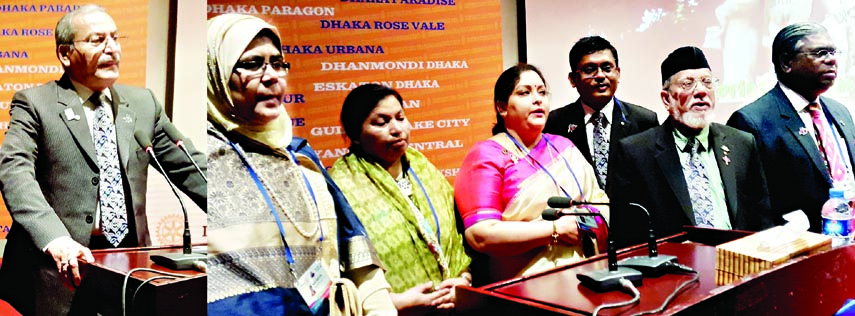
x=505 y=181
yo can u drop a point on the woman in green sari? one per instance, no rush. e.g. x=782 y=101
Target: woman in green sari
x=405 y=203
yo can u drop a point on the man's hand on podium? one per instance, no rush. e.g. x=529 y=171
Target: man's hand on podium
x=67 y=254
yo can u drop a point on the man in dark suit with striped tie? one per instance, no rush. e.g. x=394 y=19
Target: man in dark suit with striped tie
x=805 y=138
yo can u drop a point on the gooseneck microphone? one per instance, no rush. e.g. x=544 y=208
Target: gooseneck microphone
x=176 y=137
x=599 y=280
x=185 y=260
x=561 y=202
x=653 y=265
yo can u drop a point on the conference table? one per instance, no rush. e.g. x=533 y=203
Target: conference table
x=100 y=289
x=816 y=284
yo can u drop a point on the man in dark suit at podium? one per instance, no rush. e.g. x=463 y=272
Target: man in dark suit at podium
x=805 y=138
x=597 y=120
x=688 y=171
x=71 y=172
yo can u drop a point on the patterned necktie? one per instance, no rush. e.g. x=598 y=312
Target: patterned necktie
x=699 y=185
x=601 y=148
x=826 y=143
x=111 y=194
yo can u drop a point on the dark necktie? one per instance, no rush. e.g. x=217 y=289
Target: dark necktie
x=601 y=148
x=111 y=194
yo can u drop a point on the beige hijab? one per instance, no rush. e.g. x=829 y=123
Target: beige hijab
x=228 y=37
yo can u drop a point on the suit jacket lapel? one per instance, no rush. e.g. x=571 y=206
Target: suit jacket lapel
x=76 y=120
x=620 y=126
x=124 y=121
x=728 y=175
x=838 y=115
x=669 y=163
x=579 y=135
x=795 y=124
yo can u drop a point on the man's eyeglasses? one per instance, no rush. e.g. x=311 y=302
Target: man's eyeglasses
x=821 y=53
x=689 y=84
x=257 y=67
x=591 y=70
x=98 y=40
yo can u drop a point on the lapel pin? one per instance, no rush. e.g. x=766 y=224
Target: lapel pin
x=70 y=116
x=571 y=128
x=803 y=131
x=726 y=160
x=513 y=158
x=724 y=147
x=127 y=118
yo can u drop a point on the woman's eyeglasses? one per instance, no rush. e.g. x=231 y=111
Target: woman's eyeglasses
x=257 y=67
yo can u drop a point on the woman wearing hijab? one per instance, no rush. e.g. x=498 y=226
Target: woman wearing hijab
x=282 y=240
x=407 y=205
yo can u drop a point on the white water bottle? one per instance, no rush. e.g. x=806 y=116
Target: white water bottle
x=837 y=218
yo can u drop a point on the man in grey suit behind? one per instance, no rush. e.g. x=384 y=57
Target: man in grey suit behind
x=72 y=175
x=802 y=162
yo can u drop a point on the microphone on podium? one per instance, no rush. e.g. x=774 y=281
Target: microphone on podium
x=653 y=265
x=185 y=260
x=178 y=139
x=598 y=280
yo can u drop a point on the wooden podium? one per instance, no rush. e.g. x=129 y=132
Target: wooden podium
x=814 y=285
x=101 y=287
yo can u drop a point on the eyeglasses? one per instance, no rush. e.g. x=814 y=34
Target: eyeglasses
x=591 y=70
x=257 y=67
x=689 y=84
x=822 y=53
x=97 y=40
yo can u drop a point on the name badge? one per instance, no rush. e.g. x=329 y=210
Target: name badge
x=314 y=286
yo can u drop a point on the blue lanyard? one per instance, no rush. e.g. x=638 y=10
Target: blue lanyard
x=309 y=186
x=432 y=210
x=264 y=193
x=617 y=103
x=566 y=164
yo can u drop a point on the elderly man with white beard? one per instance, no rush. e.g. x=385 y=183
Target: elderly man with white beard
x=688 y=171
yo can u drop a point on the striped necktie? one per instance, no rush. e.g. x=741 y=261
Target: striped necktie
x=825 y=140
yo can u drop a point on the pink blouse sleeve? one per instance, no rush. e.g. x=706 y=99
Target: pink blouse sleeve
x=478 y=186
